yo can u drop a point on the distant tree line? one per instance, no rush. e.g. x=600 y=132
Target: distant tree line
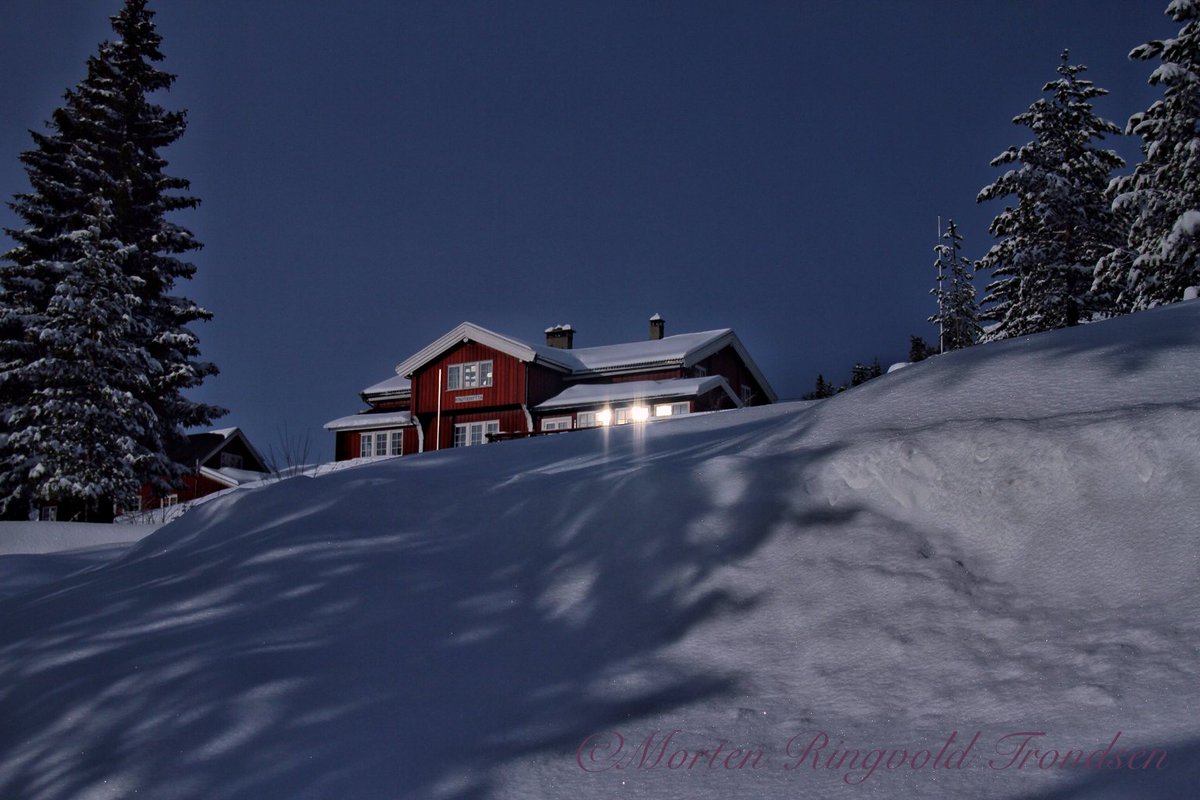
x=1073 y=243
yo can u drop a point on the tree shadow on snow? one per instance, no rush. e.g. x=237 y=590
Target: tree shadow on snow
x=399 y=630
x=1174 y=777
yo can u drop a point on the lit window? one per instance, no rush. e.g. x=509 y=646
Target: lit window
x=586 y=419
x=672 y=409
x=473 y=433
x=639 y=413
x=621 y=416
x=556 y=424
x=604 y=416
x=471 y=375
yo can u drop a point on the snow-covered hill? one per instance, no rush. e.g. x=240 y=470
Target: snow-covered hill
x=992 y=544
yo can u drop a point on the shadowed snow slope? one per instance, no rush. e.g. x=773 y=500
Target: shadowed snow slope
x=996 y=541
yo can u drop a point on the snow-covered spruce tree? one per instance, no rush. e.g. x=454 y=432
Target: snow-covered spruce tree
x=958 y=313
x=1062 y=223
x=103 y=144
x=1160 y=202
x=86 y=436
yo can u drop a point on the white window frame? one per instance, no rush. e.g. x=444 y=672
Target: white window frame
x=392 y=440
x=170 y=500
x=699 y=371
x=468 y=434
x=747 y=393
x=469 y=375
x=586 y=419
x=48 y=514
x=556 y=424
x=622 y=415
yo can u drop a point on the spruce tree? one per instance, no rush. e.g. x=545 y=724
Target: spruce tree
x=958 y=313
x=1159 y=204
x=96 y=226
x=821 y=391
x=918 y=350
x=1061 y=224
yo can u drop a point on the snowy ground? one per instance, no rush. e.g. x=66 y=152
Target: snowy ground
x=982 y=547
x=34 y=553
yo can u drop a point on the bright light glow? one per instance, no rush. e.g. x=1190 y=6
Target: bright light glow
x=640 y=413
x=604 y=416
x=662 y=411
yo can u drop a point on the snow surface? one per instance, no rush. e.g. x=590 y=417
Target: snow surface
x=35 y=553
x=1003 y=539
x=55 y=537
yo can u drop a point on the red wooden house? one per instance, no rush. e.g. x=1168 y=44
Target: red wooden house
x=473 y=385
x=219 y=459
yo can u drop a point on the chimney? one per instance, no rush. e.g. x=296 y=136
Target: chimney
x=560 y=336
x=657 y=324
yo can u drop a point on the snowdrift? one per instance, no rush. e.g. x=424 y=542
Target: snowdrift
x=995 y=543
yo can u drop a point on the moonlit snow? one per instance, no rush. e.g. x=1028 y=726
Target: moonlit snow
x=901 y=591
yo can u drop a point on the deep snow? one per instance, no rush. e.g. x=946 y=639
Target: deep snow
x=994 y=541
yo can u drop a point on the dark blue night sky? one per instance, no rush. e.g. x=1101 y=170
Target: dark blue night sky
x=375 y=172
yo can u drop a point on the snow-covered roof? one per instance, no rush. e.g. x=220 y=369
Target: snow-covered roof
x=397 y=384
x=232 y=477
x=587 y=394
x=469 y=331
x=203 y=445
x=368 y=421
x=683 y=349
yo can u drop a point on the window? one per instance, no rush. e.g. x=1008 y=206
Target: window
x=586 y=419
x=170 y=500
x=48 y=513
x=699 y=371
x=747 y=393
x=232 y=460
x=556 y=424
x=472 y=433
x=621 y=416
x=671 y=409
x=381 y=443
x=470 y=375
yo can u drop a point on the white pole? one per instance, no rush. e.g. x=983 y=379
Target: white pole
x=941 y=309
x=437 y=435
